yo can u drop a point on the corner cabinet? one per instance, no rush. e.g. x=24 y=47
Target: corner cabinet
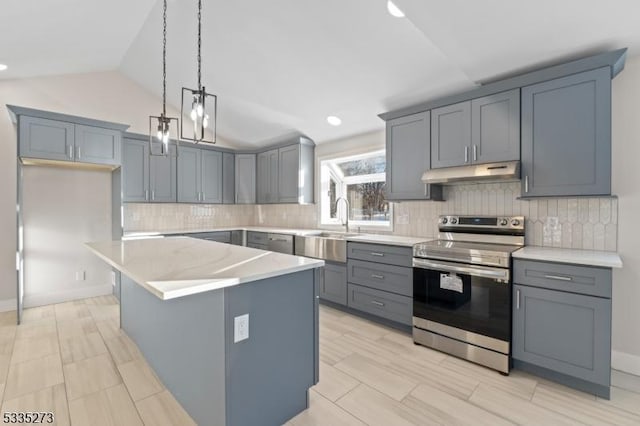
x=566 y=136
x=408 y=156
x=562 y=323
x=285 y=175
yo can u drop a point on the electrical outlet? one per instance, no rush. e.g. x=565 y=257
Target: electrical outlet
x=240 y=328
x=113 y=278
x=80 y=275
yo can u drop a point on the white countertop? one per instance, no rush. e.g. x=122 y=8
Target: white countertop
x=395 y=240
x=605 y=259
x=181 y=266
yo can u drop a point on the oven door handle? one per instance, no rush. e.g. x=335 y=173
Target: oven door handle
x=476 y=271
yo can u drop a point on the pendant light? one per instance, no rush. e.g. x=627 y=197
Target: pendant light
x=160 y=127
x=200 y=106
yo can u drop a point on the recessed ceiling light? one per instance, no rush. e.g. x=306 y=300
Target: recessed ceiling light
x=394 y=10
x=333 y=120
x=3 y=67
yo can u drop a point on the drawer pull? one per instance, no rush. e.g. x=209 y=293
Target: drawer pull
x=375 y=302
x=377 y=254
x=378 y=276
x=518 y=299
x=558 y=277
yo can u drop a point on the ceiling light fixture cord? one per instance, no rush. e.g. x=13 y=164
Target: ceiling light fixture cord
x=164 y=60
x=199 y=43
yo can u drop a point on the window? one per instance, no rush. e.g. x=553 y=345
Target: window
x=361 y=181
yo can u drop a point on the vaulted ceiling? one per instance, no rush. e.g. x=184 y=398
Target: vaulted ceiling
x=282 y=66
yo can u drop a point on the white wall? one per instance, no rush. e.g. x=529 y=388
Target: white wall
x=106 y=96
x=626 y=184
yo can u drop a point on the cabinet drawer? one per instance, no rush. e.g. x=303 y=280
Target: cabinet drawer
x=380 y=303
x=257 y=237
x=258 y=246
x=559 y=276
x=221 y=237
x=564 y=332
x=391 y=278
x=391 y=255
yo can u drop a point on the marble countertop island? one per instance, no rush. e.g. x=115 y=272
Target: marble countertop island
x=182 y=266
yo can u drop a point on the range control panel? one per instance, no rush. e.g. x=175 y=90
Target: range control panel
x=449 y=222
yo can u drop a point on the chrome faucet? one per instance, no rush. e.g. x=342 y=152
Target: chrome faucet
x=346 y=224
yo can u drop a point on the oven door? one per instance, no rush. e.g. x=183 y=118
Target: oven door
x=469 y=298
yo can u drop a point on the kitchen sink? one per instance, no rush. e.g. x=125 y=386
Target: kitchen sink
x=331 y=246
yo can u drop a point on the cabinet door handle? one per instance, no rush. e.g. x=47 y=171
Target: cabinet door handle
x=146 y=195
x=475 y=153
x=518 y=299
x=377 y=254
x=378 y=276
x=558 y=277
x=526 y=183
x=375 y=302
x=78 y=154
x=426 y=190
x=203 y=196
x=153 y=195
x=71 y=151
x=466 y=154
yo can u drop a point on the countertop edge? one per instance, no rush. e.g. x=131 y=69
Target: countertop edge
x=601 y=259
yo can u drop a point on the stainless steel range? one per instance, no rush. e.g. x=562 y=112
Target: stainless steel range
x=462 y=288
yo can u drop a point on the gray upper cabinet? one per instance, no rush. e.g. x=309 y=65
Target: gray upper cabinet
x=211 y=180
x=245 y=178
x=566 y=136
x=189 y=175
x=408 y=156
x=97 y=145
x=495 y=127
x=267 y=177
x=135 y=170
x=228 y=177
x=163 y=177
x=199 y=176
x=451 y=135
x=48 y=139
x=288 y=167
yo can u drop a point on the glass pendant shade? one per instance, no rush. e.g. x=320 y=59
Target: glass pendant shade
x=199 y=116
x=162 y=132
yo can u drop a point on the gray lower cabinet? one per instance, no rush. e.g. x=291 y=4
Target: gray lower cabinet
x=245 y=179
x=135 y=170
x=228 y=178
x=394 y=279
x=218 y=236
x=383 y=304
x=163 y=177
x=566 y=136
x=451 y=135
x=97 y=145
x=495 y=127
x=260 y=238
x=333 y=283
x=559 y=333
x=408 y=154
x=48 y=139
x=199 y=176
x=379 y=253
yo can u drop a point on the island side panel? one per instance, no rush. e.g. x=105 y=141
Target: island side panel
x=183 y=341
x=269 y=374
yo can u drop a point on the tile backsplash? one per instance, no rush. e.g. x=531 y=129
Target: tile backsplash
x=583 y=223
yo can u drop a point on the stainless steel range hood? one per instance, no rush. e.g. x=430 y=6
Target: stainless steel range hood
x=507 y=170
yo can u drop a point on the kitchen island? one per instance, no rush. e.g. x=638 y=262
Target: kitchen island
x=185 y=302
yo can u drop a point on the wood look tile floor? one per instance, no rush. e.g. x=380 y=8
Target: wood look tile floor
x=74 y=360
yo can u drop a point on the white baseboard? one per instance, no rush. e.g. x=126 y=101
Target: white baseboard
x=623 y=361
x=7 y=305
x=41 y=299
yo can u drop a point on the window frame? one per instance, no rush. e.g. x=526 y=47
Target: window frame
x=328 y=165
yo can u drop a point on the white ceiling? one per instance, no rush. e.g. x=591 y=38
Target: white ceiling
x=282 y=66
